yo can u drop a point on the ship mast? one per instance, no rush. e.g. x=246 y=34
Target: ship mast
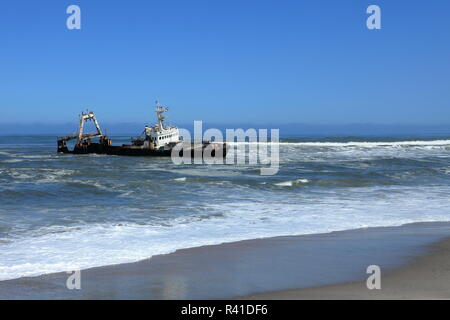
x=159 y=113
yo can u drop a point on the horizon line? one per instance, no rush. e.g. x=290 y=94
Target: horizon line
x=239 y=123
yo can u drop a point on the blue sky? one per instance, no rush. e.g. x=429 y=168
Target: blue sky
x=226 y=61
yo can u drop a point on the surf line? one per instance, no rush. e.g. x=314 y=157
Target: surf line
x=193 y=310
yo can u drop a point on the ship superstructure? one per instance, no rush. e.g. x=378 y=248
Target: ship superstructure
x=159 y=135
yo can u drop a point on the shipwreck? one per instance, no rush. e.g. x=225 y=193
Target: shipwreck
x=157 y=140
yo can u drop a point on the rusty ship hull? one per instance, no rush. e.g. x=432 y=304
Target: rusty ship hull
x=106 y=148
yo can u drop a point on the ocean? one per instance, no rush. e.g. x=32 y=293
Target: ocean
x=67 y=212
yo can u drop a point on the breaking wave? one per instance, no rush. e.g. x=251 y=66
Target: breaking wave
x=291 y=183
x=362 y=144
x=85 y=246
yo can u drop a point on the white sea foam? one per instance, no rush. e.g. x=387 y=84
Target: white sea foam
x=87 y=246
x=39 y=175
x=37 y=156
x=291 y=183
x=363 y=144
x=126 y=194
x=22 y=175
x=12 y=160
x=180 y=179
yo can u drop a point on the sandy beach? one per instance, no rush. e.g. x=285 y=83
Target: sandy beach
x=414 y=260
x=427 y=277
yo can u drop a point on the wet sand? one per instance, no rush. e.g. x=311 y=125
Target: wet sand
x=414 y=259
x=427 y=277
